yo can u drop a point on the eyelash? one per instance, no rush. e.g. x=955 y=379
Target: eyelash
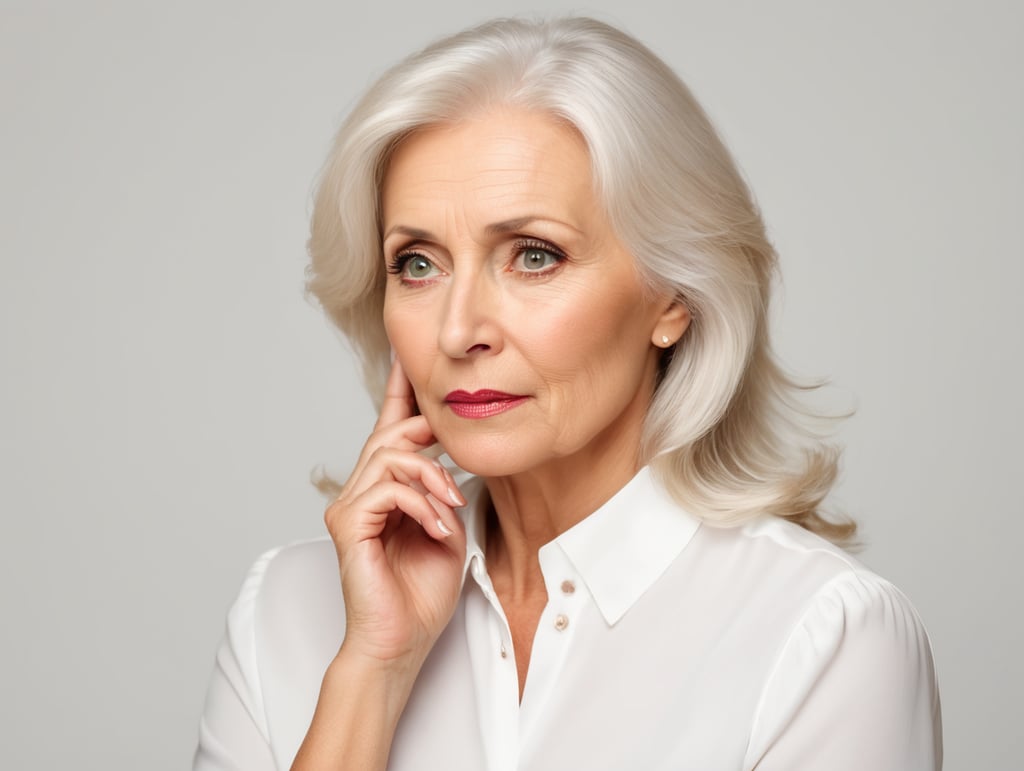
x=397 y=264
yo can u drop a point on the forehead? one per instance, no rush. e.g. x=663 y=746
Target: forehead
x=515 y=161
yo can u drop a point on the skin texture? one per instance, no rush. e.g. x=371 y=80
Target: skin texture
x=504 y=274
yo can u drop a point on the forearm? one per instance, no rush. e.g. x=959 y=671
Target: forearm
x=356 y=715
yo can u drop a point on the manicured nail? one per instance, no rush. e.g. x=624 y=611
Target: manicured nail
x=454 y=498
x=445 y=530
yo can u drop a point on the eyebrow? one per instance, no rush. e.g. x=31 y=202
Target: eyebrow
x=509 y=226
x=495 y=229
x=419 y=235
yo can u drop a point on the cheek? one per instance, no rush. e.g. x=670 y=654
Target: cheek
x=403 y=322
x=588 y=338
x=407 y=338
x=392 y=328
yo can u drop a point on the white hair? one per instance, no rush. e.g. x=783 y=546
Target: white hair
x=725 y=431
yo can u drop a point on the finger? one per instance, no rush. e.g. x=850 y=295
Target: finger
x=411 y=469
x=458 y=498
x=365 y=517
x=399 y=398
x=408 y=434
x=411 y=435
x=446 y=521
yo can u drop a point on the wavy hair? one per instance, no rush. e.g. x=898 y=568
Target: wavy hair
x=726 y=432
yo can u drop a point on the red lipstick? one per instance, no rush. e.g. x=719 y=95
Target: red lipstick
x=481 y=404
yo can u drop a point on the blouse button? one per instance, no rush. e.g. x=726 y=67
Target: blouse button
x=561 y=622
x=568 y=587
x=504 y=653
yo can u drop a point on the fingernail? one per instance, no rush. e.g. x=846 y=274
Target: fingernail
x=445 y=530
x=454 y=498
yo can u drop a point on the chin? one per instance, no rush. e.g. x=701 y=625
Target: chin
x=489 y=457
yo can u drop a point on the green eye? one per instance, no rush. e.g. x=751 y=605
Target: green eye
x=537 y=259
x=418 y=267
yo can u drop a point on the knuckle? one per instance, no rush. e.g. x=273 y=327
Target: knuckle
x=332 y=514
x=337 y=509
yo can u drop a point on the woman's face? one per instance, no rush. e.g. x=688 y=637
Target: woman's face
x=516 y=313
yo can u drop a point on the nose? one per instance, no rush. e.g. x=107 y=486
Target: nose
x=469 y=323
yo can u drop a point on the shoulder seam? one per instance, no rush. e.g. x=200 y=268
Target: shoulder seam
x=835 y=552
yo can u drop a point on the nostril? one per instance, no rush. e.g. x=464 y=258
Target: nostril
x=478 y=347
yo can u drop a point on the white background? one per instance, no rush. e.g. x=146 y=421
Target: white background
x=165 y=388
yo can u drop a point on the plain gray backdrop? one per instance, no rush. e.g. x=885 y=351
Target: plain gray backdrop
x=166 y=389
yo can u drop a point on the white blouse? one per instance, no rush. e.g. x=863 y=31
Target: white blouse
x=665 y=644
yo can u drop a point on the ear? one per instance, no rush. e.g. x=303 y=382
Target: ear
x=671 y=325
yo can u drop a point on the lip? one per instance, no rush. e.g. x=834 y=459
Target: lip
x=483 y=403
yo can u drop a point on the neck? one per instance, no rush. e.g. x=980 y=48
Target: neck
x=533 y=508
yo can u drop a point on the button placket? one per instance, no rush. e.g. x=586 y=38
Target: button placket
x=565 y=605
x=553 y=644
x=500 y=631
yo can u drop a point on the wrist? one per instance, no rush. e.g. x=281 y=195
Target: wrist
x=391 y=679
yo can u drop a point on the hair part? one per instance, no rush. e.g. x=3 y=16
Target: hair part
x=726 y=432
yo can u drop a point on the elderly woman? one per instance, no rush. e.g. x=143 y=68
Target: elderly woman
x=558 y=283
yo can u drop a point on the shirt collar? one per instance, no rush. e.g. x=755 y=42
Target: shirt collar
x=619 y=551
x=624 y=547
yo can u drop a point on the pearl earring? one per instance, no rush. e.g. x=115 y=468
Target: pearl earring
x=664 y=339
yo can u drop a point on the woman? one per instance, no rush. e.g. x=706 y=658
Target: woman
x=533 y=234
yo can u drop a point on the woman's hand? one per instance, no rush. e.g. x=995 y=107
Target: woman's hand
x=401 y=548
x=401 y=551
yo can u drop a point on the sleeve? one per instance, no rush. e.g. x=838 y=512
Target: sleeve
x=853 y=688
x=233 y=728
